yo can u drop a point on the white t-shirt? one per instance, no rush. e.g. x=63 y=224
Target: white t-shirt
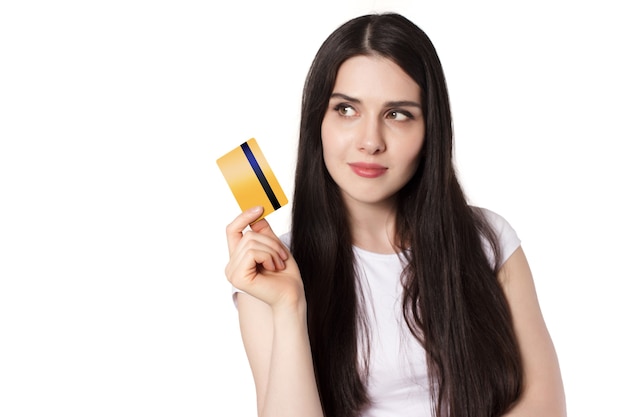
x=398 y=379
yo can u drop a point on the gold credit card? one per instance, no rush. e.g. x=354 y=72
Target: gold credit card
x=251 y=179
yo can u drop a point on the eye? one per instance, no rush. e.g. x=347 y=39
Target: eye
x=345 y=110
x=399 y=115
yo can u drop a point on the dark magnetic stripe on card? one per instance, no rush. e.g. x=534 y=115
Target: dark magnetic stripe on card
x=259 y=174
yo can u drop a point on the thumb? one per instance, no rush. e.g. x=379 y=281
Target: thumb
x=234 y=231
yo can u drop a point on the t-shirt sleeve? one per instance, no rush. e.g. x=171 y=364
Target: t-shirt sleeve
x=286 y=239
x=507 y=237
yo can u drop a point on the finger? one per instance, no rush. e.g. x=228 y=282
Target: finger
x=234 y=231
x=253 y=242
x=262 y=227
x=244 y=266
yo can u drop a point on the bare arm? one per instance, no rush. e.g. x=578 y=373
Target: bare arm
x=272 y=317
x=543 y=393
x=277 y=345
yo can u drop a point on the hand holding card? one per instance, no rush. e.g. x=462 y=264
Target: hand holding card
x=251 y=179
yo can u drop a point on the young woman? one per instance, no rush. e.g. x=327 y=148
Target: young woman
x=390 y=296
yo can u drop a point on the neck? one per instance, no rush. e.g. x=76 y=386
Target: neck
x=373 y=226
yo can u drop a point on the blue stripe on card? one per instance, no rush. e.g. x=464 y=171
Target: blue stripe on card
x=259 y=174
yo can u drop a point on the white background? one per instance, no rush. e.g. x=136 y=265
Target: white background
x=113 y=300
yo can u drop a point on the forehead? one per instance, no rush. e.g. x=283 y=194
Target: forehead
x=375 y=77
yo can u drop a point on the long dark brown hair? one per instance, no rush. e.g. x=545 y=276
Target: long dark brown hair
x=452 y=302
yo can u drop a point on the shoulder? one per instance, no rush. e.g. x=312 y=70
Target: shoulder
x=499 y=224
x=507 y=238
x=286 y=239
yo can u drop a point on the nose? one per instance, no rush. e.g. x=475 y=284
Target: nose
x=371 y=140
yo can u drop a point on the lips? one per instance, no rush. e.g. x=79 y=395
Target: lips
x=367 y=170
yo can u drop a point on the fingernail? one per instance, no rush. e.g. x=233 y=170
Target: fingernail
x=255 y=209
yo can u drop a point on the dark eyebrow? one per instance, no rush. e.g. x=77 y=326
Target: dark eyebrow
x=345 y=97
x=403 y=103
x=399 y=103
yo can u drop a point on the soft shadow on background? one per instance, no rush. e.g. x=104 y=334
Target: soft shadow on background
x=113 y=299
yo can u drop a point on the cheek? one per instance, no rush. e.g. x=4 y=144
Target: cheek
x=325 y=141
x=414 y=154
x=331 y=143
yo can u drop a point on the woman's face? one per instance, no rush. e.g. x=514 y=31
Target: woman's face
x=373 y=130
